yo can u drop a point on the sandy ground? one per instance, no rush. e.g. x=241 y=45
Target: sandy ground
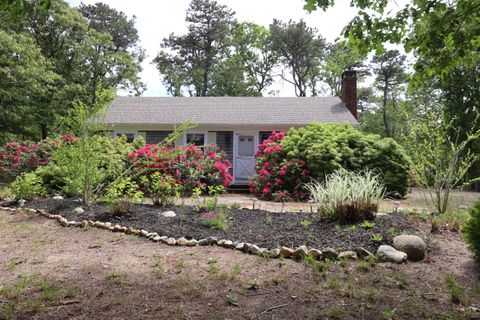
x=51 y=272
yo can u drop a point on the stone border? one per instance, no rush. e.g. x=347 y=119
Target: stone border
x=297 y=254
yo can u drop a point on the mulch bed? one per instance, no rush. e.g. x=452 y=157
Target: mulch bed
x=266 y=229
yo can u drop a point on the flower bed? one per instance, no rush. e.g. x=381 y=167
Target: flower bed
x=266 y=229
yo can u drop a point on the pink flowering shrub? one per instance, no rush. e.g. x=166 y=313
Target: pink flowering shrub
x=277 y=177
x=23 y=157
x=189 y=166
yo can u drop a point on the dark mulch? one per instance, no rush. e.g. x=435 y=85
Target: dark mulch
x=266 y=229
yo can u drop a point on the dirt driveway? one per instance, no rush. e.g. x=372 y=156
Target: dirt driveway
x=51 y=272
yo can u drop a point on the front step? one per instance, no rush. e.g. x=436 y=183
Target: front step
x=238 y=188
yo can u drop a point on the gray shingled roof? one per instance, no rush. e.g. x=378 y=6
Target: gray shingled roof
x=228 y=110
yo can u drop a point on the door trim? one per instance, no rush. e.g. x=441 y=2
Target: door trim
x=235 y=142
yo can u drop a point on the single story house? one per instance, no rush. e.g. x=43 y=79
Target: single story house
x=236 y=124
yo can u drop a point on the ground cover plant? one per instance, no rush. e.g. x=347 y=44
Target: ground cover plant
x=286 y=161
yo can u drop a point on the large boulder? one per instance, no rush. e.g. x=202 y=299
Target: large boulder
x=413 y=246
x=390 y=254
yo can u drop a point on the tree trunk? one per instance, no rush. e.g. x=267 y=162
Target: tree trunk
x=384 y=109
x=44 y=130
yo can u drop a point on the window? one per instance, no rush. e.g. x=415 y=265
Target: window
x=246 y=146
x=264 y=135
x=197 y=139
x=156 y=137
x=130 y=136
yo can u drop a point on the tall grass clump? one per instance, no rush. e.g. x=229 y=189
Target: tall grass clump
x=347 y=196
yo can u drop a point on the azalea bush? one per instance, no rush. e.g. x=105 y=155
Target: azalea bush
x=286 y=162
x=22 y=157
x=278 y=177
x=347 y=196
x=190 y=167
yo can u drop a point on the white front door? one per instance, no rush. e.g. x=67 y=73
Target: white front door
x=246 y=145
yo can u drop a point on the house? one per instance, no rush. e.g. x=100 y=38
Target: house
x=236 y=124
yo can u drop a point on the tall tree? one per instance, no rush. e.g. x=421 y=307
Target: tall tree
x=83 y=58
x=24 y=79
x=253 y=43
x=300 y=49
x=196 y=54
x=389 y=69
x=340 y=57
x=118 y=61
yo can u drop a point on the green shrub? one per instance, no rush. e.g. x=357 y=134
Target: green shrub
x=84 y=168
x=123 y=194
x=471 y=231
x=348 y=196
x=6 y=193
x=161 y=188
x=27 y=186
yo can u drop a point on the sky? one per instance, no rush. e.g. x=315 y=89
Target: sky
x=156 y=19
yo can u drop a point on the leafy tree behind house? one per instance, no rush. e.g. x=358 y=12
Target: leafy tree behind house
x=300 y=49
x=197 y=54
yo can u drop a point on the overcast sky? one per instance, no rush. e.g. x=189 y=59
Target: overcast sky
x=156 y=19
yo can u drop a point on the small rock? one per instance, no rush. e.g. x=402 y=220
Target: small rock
x=144 y=233
x=212 y=241
x=228 y=244
x=63 y=221
x=168 y=214
x=315 y=253
x=264 y=253
x=78 y=210
x=239 y=246
x=390 y=254
x=32 y=210
x=163 y=239
x=246 y=246
x=171 y=241
x=221 y=242
x=462 y=207
x=108 y=224
x=348 y=255
x=363 y=253
x=286 y=252
x=381 y=214
x=99 y=224
x=182 y=241
x=329 y=254
x=85 y=223
x=203 y=242
x=156 y=238
x=192 y=243
x=21 y=203
x=71 y=223
x=254 y=249
x=135 y=232
x=274 y=253
x=300 y=253
x=117 y=228
x=57 y=197
x=152 y=235
x=413 y=246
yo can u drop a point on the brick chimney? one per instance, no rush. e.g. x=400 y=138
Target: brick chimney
x=349 y=91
